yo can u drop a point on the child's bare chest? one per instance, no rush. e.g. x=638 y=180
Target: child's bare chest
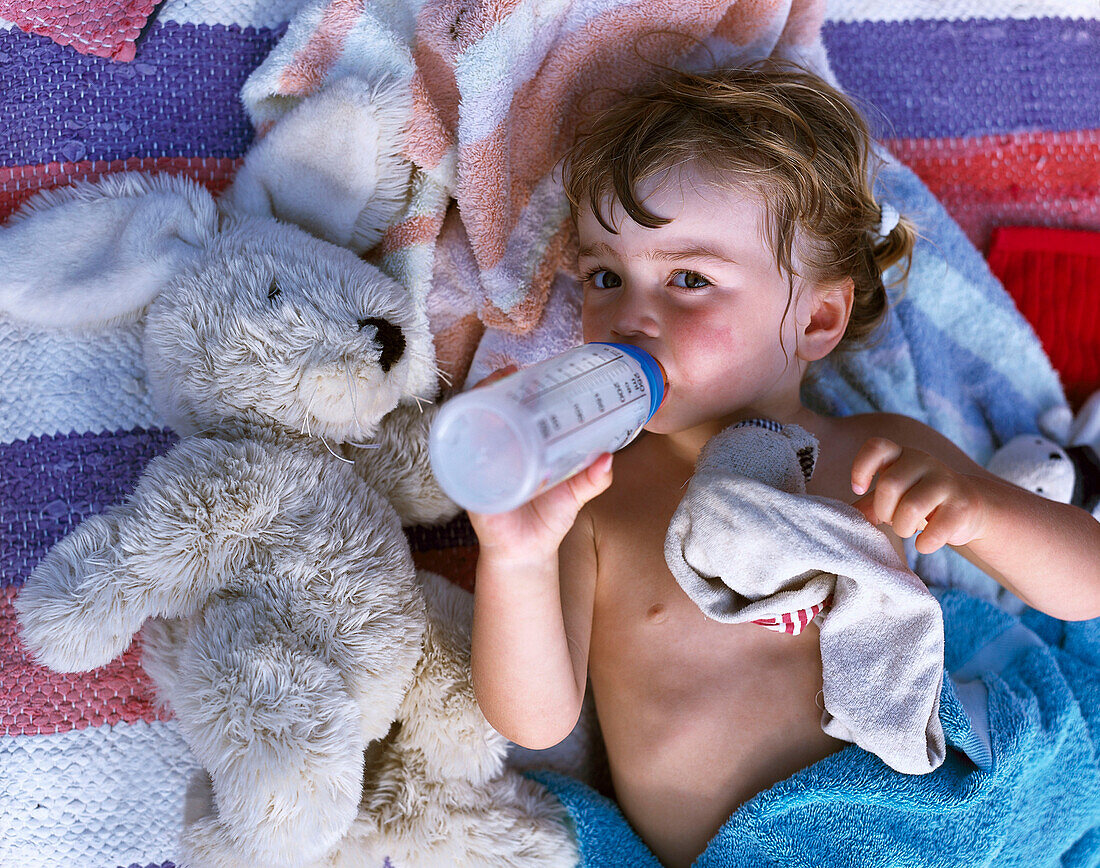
x=728 y=709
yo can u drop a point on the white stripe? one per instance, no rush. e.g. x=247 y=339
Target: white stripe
x=56 y=382
x=377 y=48
x=107 y=795
x=246 y=13
x=851 y=11
x=490 y=71
x=508 y=282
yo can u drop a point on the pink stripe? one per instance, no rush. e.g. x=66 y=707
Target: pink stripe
x=18 y=183
x=803 y=24
x=37 y=701
x=410 y=232
x=307 y=70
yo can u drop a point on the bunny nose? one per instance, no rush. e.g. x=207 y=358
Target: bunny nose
x=389 y=337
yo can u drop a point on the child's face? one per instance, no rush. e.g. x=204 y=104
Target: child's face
x=702 y=294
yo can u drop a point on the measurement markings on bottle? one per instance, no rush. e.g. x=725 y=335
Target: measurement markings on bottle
x=542 y=388
x=591 y=421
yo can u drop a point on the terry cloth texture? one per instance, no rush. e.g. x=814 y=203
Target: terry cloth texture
x=1053 y=275
x=1033 y=801
x=992 y=103
x=747 y=542
x=107 y=28
x=499 y=88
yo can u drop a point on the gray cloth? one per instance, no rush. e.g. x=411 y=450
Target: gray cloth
x=747 y=543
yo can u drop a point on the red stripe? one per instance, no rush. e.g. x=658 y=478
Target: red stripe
x=18 y=183
x=36 y=701
x=1039 y=178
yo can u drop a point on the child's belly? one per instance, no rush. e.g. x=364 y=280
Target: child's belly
x=697 y=715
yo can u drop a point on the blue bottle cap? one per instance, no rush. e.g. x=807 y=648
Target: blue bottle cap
x=654 y=373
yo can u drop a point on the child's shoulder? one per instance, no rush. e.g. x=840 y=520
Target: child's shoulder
x=903 y=430
x=910 y=433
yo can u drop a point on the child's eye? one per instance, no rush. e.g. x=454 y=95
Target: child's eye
x=689 y=280
x=601 y=278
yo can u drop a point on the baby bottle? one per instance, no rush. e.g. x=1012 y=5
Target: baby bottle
x=494 y=448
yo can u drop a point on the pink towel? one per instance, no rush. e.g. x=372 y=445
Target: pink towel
x=106 y=28
x=498 y=89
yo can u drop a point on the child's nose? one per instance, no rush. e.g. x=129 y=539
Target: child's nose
x=634 y=315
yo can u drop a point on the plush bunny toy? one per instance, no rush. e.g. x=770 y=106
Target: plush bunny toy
x=330 y=708
x=1061 y=463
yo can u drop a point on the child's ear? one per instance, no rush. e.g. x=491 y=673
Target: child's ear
x=826 y=317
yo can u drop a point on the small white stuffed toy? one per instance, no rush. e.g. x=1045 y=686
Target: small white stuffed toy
x=329 y=704
x=1060 y=463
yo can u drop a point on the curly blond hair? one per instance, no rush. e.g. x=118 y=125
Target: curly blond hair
x=776 y=129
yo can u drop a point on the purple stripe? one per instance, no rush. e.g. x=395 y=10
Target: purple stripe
x=178 y=98
x=48 y=485
x=153 y=865
x=933 y=79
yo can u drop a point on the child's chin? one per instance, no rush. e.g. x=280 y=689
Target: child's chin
x=659 y=425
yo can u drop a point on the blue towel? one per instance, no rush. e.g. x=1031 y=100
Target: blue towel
x=1032 y=800
x=1021 y=708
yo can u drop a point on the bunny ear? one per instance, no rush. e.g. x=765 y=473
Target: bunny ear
x=333 y=165
x=98 y=252
x=1086 y=425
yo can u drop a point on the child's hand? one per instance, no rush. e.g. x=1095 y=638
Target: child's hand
x=915 y=492
x=536 y=529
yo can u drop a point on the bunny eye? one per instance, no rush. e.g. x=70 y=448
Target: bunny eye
x=273 y=291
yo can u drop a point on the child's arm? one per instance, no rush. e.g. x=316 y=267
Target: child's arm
x=1047 y=553
x=531 y=630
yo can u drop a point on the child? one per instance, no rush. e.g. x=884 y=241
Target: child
x=727 y=226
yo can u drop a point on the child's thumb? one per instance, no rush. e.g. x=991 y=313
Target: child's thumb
x=593 y=480
x=866 y=505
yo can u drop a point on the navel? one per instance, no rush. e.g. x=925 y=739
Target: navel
x=656 y=613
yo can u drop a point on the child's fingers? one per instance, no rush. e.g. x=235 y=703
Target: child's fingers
x=912 y=513
x=874 y=456
x=943 y=528
x=596 y=477
x=574 y=492
x=895 y=483
x=866 y=505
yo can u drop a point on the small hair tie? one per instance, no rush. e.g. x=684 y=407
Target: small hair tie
x=888 y=220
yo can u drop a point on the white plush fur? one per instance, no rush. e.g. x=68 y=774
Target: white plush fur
x=1039 y=462
x=286 y=627
x=1036 y=463
x=90 y=254
x=342 y=139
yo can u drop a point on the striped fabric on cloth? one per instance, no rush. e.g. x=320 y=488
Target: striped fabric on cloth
x=793 y=623
x=995 y=108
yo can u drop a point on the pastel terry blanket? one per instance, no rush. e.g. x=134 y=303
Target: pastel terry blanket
x=993 y=105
